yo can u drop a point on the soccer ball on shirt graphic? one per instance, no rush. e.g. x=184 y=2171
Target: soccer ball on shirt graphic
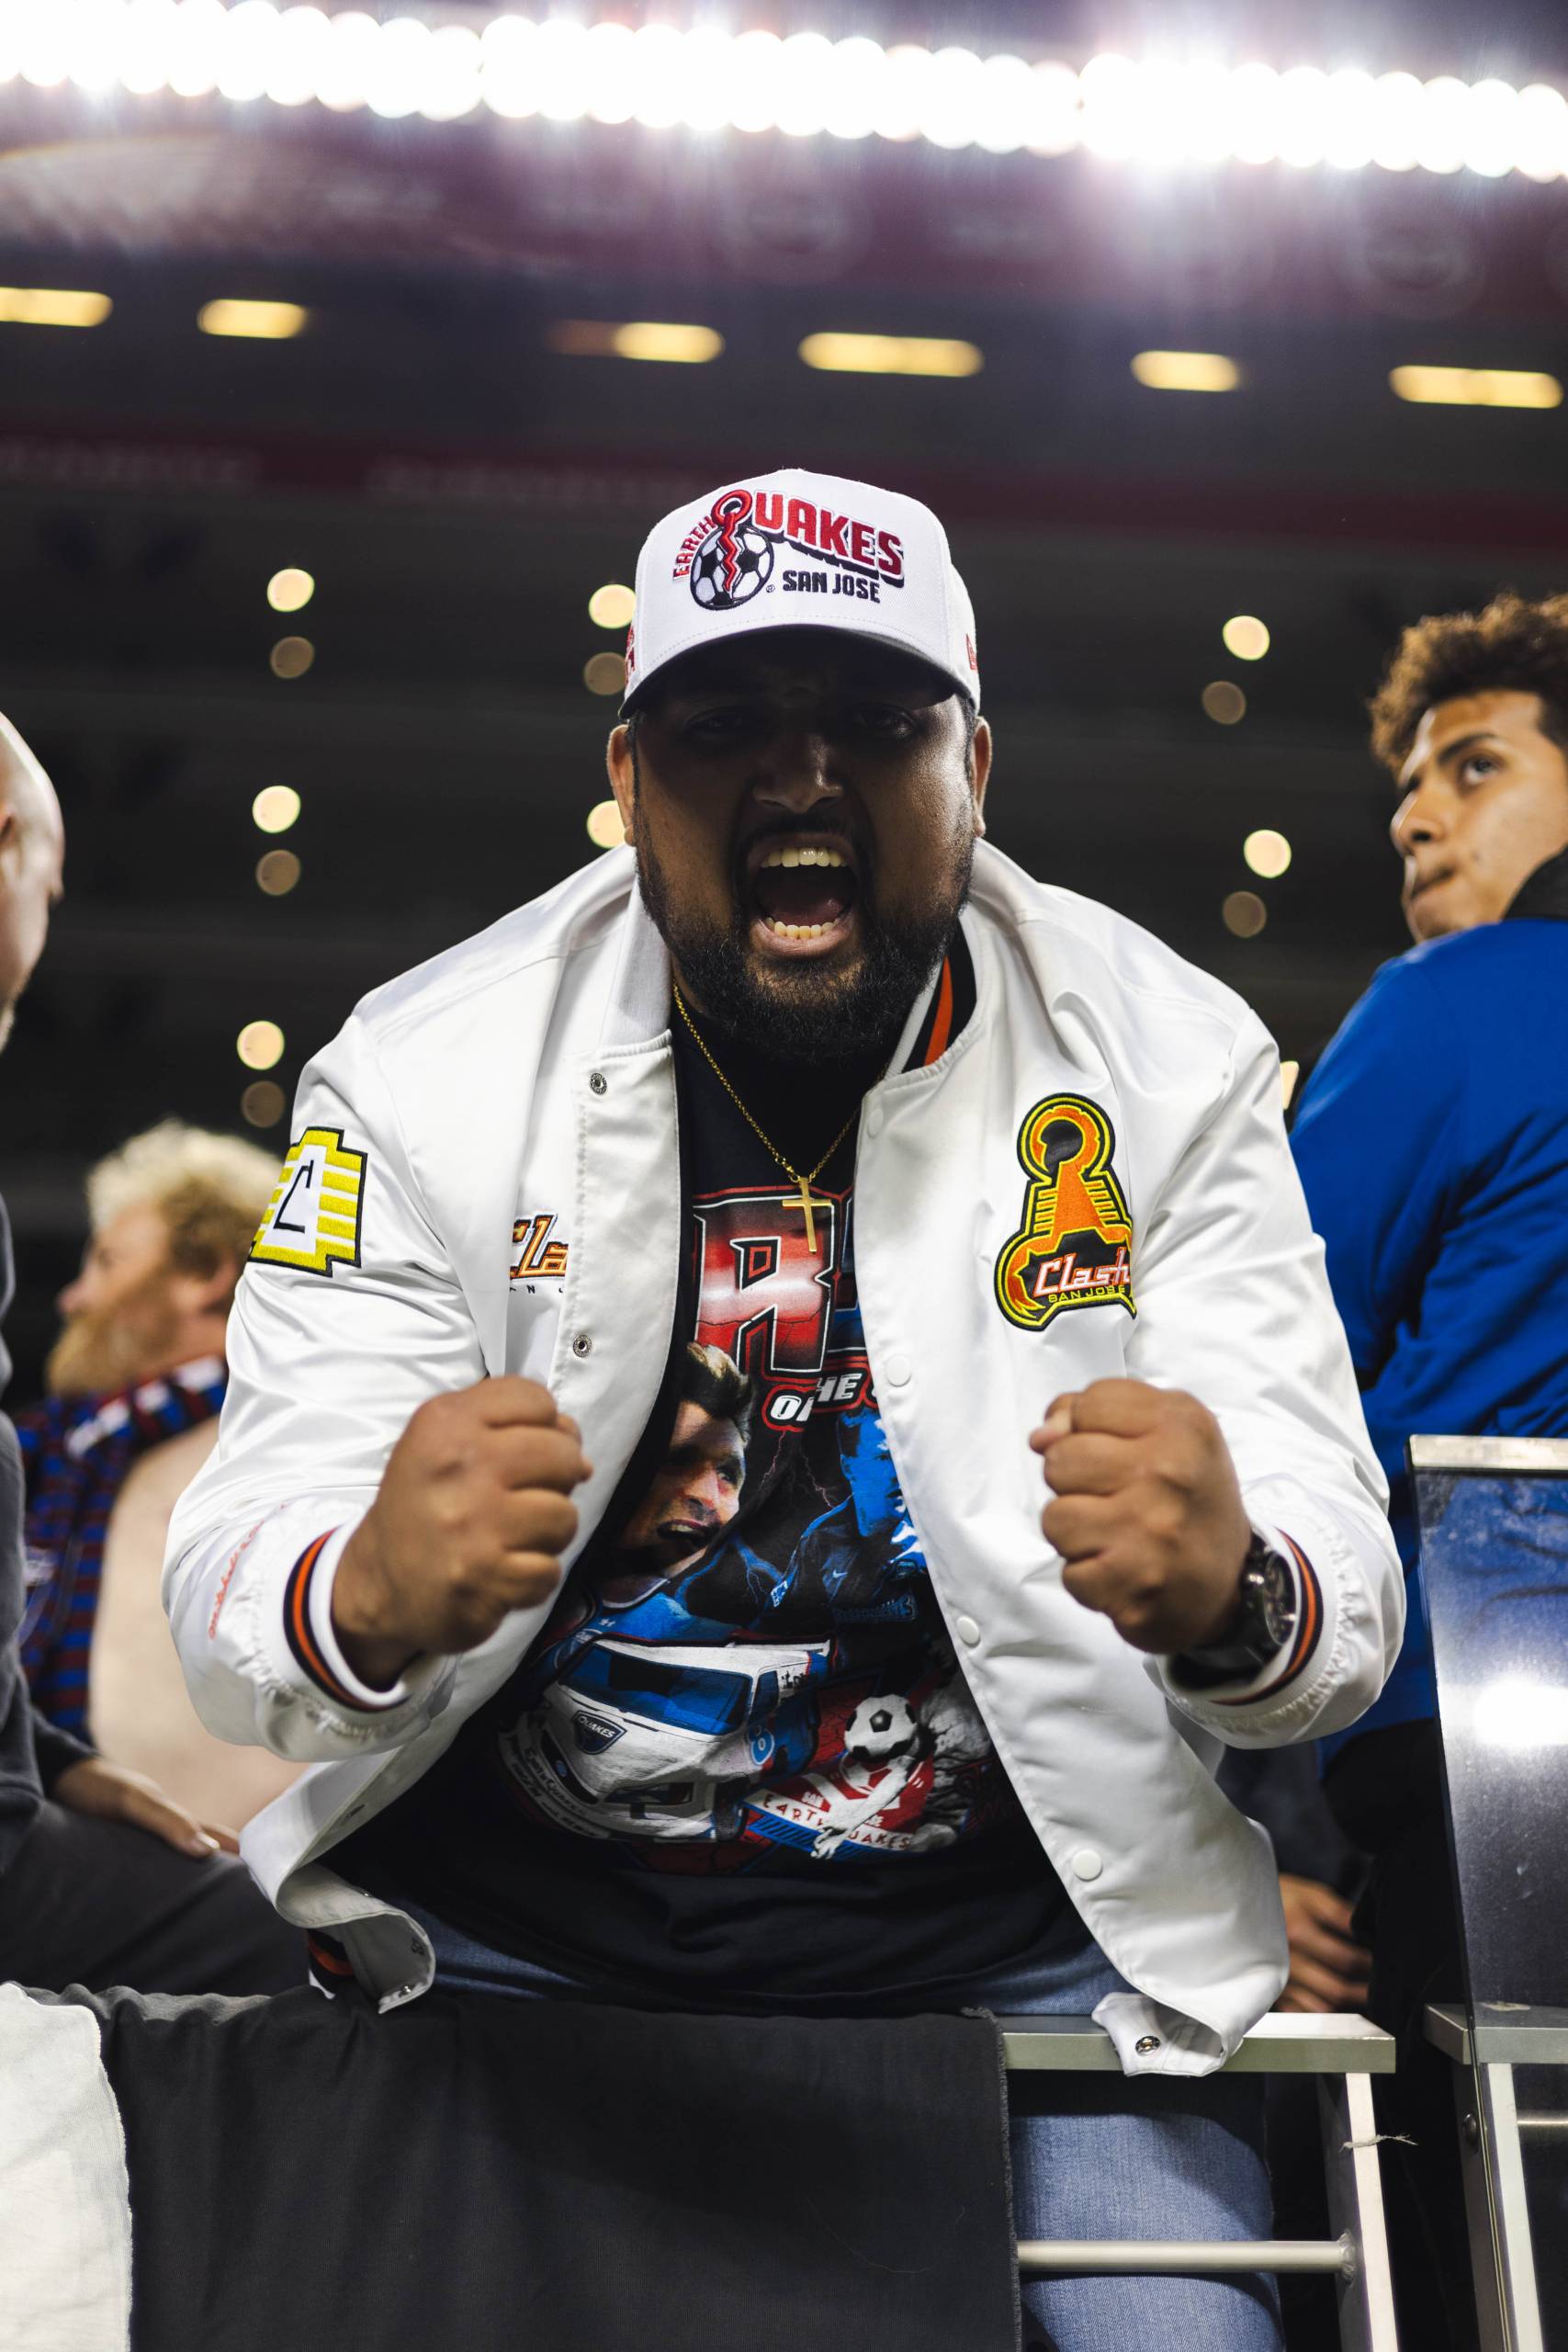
x=880 y=1729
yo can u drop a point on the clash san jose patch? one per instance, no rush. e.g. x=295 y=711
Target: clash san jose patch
x=312 y=1221
x=1072 y=1246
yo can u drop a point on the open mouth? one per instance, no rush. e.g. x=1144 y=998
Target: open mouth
x=802 y=890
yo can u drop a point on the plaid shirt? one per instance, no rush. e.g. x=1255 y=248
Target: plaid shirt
x=77 y=1452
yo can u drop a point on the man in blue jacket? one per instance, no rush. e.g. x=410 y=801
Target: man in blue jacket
x=1432 y=1142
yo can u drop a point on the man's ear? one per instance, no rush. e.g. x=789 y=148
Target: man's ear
x=209 y=1293
x=11 y=842
x=621 y=770
x=980 y=772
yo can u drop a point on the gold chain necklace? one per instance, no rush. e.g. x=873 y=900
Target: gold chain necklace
x=800 y=1199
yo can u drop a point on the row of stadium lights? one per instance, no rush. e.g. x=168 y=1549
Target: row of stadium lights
x=805 y=86
x=275 y=810
x=674 y=342
x=1265 y=852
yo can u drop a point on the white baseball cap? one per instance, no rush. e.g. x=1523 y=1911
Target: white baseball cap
x=793 y=550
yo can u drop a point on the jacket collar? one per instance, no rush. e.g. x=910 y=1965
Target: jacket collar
x=1544 y=893
x=639 y=1006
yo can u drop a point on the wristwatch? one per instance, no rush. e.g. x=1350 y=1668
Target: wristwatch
x=1264 y=1619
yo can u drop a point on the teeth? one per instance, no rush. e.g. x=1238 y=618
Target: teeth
x=798 y=929
x=804 y=857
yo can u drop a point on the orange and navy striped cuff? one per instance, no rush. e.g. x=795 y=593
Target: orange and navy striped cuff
x=299 y=1627
x=1302 y=1641
x=328 y=1955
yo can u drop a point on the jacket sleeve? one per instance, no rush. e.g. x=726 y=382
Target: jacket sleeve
x=1234 y=1307
x=346 y=1318
x=1376 y=1144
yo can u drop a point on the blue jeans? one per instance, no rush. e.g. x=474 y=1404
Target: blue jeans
x=1094 y=2156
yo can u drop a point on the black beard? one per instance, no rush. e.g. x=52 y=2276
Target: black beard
x=799 y=1014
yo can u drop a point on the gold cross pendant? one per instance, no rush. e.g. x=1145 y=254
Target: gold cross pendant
x=804 y=1201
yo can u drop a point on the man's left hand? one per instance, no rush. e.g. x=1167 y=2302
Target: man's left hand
x=114 y=1793
x=1147 y=1511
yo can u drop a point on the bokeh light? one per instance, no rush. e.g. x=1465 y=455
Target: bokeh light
x=53 y=306
x=264 y=1103
x=260 y=1044
x=611 y=607
x=1224 y=702
x=604 y=673
x=291 y=657
x=289 y=590
x=1244 y=913
x=1186 y=371
x=666 y=340
x=891 y=355
x=1267 y=852
x=277 y=872
x=276 y=808
x=605 y=827
x=1245 y=637
x=261 y=321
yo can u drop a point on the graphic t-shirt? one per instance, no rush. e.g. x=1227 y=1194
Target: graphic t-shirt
x=741 y=1754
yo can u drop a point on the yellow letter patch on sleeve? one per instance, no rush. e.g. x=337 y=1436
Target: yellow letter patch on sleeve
x=314 y=1218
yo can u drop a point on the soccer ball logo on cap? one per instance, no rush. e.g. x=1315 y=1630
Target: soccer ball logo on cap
x=734 y=560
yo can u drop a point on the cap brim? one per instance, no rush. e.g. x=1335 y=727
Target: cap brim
x=793 y=629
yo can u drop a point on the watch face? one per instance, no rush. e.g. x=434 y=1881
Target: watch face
x=1269 y=1584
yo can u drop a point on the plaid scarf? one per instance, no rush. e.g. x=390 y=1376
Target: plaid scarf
x=77 y=1453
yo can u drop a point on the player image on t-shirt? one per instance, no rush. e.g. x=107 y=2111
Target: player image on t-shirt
x=756 y=1660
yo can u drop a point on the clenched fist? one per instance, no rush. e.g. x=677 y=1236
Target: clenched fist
x=471 y=1519
x=1146 y=1513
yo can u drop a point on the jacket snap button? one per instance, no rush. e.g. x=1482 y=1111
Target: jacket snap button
x=897 y=1371
x=1087 y=1863
x=967 y=1631
x=597 y=1082
x=874 y=1120
x=1145 y=2042
x=583 y=1345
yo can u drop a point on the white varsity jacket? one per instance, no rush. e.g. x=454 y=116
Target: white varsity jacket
x=485 y=1179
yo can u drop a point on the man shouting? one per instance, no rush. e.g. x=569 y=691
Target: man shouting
x=964 y=1179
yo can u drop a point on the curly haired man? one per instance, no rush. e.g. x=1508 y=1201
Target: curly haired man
x=1433 y=1146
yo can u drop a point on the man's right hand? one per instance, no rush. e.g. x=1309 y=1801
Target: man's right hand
x=471 y=1519
x=1329 y=1971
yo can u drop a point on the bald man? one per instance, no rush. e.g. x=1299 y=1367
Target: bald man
x=32 y=867
x=103 y=1879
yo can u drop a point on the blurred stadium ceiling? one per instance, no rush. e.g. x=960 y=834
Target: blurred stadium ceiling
x=440 y=447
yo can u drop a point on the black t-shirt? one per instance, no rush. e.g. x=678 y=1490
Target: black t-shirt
x=740 y=1759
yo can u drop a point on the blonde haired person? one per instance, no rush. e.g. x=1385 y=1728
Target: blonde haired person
x=135 y=1382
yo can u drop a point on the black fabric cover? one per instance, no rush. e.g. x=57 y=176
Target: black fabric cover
x=546 y=2177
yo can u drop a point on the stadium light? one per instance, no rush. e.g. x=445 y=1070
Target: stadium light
x=891 y=355
x=803 y=86
x=53 y=306
x=261 y=321
x=1186 y=371
x=1477 y=387
x=658 y=339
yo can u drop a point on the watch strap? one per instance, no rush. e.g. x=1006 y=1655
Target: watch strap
x=1266 y=1620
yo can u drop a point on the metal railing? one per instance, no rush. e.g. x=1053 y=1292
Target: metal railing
x=1343 y=2053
